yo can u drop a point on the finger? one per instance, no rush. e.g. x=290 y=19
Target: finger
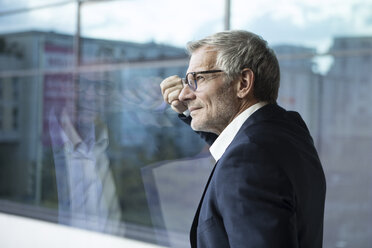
x=170 y=82
x=173 y=95
x=171 y=92
x=166 y=93
x=178 y=106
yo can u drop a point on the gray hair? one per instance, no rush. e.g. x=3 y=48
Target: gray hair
x=239 y=49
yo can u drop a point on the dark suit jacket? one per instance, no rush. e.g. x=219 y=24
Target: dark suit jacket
x=267 y=190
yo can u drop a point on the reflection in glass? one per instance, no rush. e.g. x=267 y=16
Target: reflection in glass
x=87 y=195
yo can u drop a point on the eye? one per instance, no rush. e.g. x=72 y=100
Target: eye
x=199 y=78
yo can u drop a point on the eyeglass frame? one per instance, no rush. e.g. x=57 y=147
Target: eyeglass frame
x=186 y=81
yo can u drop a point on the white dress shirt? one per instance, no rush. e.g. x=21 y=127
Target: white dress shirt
x=224 y=139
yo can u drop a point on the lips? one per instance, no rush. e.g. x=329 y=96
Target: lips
x=191 y=109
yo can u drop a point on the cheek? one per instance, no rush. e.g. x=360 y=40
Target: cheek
x=215 y=101
x=224 y=103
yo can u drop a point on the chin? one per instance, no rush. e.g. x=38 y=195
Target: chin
x=196 y=126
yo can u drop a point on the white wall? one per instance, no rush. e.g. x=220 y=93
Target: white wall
x=19 y=232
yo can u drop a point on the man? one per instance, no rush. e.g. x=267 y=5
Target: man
x=267 y=188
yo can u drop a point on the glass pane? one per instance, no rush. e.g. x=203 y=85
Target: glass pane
x=86 y=140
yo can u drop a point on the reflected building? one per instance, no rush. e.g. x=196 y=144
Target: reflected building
x=44 y=82
x=9 y=100
x=19 y=120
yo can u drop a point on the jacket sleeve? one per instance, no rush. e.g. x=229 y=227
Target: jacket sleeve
x=256 y=199
x=208 y=137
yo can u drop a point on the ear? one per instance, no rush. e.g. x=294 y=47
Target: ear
x=245 y=84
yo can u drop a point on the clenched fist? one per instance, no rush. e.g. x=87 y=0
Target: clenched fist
x=171 y=88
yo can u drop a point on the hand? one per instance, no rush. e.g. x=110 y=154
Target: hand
x=171 y=88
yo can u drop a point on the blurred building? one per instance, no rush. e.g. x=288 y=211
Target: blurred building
x=299 y=84
x=347 y=87
x=37 y=76
x=347 y=142
x=347 y=116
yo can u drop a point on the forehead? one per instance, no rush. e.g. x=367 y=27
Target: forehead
x=202 y=59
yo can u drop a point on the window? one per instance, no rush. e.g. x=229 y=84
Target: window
x=86 y=140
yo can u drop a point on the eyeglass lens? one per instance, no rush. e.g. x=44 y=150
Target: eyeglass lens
x=191 y=80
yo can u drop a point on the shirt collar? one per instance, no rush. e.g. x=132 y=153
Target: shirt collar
x=225 y=138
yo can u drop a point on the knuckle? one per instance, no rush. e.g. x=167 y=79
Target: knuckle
x=170 y=84
x=165 y=95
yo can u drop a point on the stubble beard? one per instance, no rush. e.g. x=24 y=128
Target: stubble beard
x=222 y=115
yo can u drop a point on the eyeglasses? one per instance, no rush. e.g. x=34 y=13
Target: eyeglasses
x=193 y=78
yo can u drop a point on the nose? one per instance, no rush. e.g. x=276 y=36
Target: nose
x=186 y=94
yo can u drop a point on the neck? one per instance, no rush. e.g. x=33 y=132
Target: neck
x=245 y=104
